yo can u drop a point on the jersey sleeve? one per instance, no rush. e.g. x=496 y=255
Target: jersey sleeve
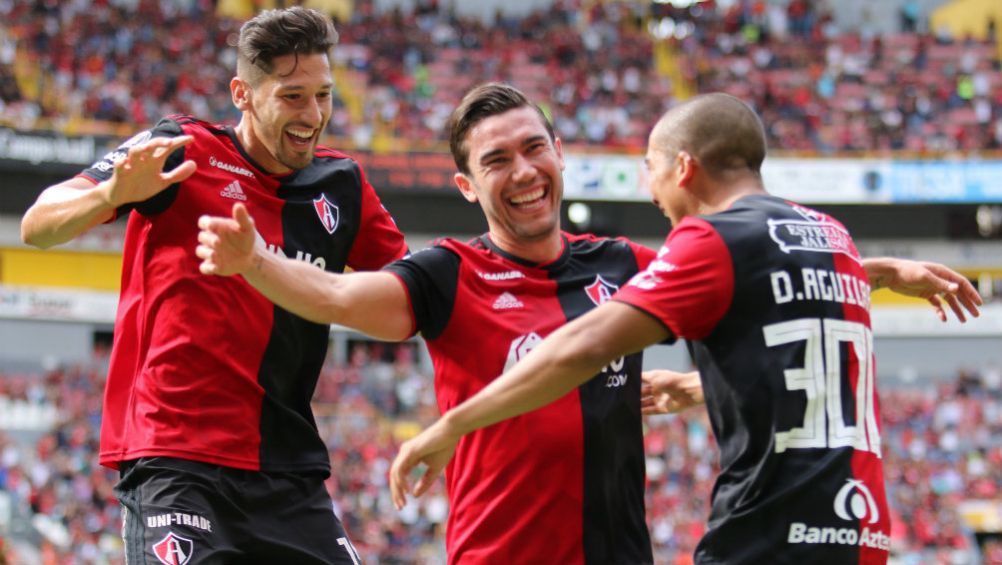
x=379 y=241
x=643 y=254
x=105 y=167
x=690 y=285
x=430 y=277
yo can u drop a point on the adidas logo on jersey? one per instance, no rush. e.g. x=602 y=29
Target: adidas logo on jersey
x=507 y=301
x=234 y=191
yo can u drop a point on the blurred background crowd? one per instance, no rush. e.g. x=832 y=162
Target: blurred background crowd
x=601 y=70
x=941 y=447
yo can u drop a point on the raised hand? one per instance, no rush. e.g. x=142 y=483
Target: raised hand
x=226 y=245
x=667 y=392
x=139 y=174
x=932 y=281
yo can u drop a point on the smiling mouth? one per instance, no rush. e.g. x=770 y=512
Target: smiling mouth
x=300 y=137
x=528 y=199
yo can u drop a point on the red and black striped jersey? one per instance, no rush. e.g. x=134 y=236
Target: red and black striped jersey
x=564 y=483
x=206 y=368
x=774 y=301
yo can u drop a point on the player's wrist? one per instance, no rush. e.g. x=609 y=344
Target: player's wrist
x=105 y=192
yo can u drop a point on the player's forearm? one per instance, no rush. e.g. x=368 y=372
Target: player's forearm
x=373 y=303
x=296 y=286
x=878 y=270
x=63 y=212
x=562 y=362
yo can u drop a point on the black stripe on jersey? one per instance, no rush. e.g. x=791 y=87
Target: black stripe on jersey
x=296 y=348
x=610 y=406
x=431 y=276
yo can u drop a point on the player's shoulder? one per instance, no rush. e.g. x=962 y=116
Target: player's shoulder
x=178 y=124
x=325 y=153
x=328 y=161
x=456 y=247
x=587 y=243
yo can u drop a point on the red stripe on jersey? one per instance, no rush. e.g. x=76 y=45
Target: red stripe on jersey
x=690 y=285
x=382 y=238
x=494 y=517
x=867 y=465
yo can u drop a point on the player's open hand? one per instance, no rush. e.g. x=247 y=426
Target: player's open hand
x=666 y=392
x=434 y=448
x=139 y=175
x=934 y=282
x=226 y=246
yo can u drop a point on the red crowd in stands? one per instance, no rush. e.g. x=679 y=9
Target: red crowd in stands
x=595 y=70
x=941 y=448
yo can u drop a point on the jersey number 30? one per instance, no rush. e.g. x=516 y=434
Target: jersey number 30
x=821 y=380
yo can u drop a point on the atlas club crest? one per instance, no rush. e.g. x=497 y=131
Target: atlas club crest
x=173 y=549
x=328 y=213
x=601 y=290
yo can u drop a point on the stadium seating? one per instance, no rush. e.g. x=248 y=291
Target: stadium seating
x=941 y=448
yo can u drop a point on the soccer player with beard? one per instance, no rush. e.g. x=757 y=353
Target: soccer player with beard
x=207 y=404
x=560 y=485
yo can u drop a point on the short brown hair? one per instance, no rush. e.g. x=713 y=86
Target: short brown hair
x=486 y=100
x=275 y=33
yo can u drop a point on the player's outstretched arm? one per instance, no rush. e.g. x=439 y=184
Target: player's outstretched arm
x=923 y=279
x=667 y=392
x=65 y=210
x=374 y=303
x=564 y=360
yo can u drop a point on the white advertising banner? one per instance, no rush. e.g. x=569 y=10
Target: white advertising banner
x=65 y=305
x=809 y=181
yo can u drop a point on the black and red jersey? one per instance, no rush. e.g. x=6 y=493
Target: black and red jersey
x=206 y=368
x=563 y=484
x=774 y=301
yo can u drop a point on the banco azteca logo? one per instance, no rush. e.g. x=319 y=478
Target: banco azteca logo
x=855 y=502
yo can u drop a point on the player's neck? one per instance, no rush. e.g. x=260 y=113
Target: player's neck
x=540 y=251
x=719 y=199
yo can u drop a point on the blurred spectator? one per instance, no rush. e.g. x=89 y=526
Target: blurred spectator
x=69 y=64
x=941 y=447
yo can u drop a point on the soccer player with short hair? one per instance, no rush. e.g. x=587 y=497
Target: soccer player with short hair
x=774 y=300
x=563 y=484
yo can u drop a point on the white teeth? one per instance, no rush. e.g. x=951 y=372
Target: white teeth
x=528 y=196
x=302 y=134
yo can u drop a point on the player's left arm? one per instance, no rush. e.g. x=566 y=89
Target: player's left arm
x=934 y=282
x=667 y=391
x=564 y=360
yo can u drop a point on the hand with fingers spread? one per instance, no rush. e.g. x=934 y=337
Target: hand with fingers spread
x=932 y=281
x=434 y=448
x=226 y=245
x=667 y=392
x=139 y=174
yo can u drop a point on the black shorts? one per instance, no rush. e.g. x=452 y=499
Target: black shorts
x=179 y=512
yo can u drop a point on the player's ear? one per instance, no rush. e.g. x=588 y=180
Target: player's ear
x=465 y=185
x=240 y=93
x=558 y=147
x=687 y=167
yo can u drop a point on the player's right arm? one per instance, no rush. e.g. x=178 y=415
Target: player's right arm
x=375 y=303
x=65 y=210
